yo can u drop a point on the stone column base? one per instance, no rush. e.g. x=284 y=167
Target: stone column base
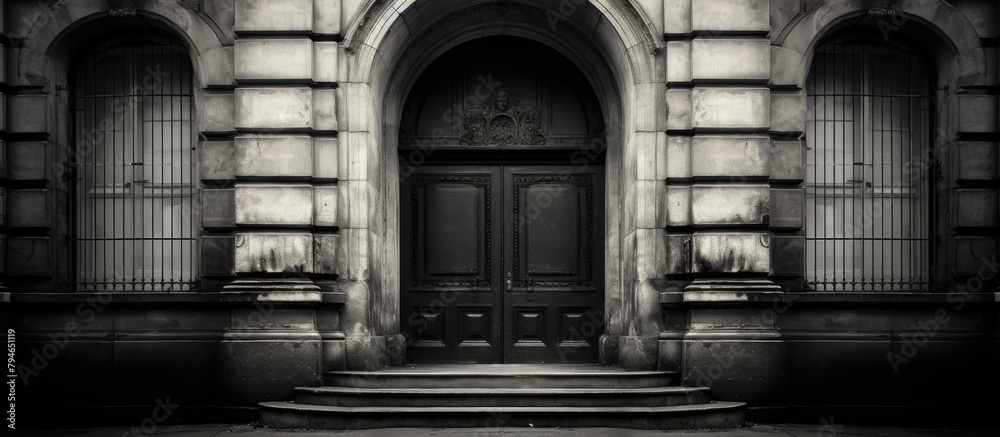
x=732 y=345
x=272 y=344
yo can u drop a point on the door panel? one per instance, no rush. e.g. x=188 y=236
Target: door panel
x=501 y=264
x=552 y=255
x=448 y=276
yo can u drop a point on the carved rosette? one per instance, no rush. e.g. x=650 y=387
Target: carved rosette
x=502 y=121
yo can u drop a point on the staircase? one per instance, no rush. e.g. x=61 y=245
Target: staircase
x=502 y=395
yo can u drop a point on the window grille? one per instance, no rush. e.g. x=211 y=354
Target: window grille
x=869 y=215
x=135 y=226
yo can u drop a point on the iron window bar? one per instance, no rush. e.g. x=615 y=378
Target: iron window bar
x=869 y=216
x=135 y=185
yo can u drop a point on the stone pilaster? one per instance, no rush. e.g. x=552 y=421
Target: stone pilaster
x=731 y=343
x=727 y=198
x=274 y=216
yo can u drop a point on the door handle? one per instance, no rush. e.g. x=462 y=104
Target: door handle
x=510 y=284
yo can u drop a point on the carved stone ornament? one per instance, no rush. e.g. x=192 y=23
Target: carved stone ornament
x=502 y=121
x=881 y=8
x=122 y=8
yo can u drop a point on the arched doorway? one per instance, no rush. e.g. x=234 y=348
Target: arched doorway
x=501 y=170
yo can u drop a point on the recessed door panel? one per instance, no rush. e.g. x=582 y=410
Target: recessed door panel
x=447 y=228
x=552 y=255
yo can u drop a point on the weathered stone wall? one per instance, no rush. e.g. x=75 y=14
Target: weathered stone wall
x=296 y=105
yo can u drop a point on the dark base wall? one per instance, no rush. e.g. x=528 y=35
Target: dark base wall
x=870 y=358
x=830 y=364
x=181 y=358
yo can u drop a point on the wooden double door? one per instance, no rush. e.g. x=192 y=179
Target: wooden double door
x=502 y=263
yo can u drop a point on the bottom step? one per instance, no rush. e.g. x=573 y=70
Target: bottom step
x=708 y=415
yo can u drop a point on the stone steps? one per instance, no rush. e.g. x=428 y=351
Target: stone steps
x=709 y=415
x=504 y=397
x=559 y=377
x=484 y=396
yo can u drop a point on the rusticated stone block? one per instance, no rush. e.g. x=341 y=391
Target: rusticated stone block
x=713 y=205
x=730 y=15
x=216 y=160
x=730 y=252
x=786 y=208
x=325 y=61
x=274 y=108
x=977 y=113
x=28 y=255
x=284 y=59
x=28 y=161
x=973 y=255
x=217 y=255
x=28 y=208
x=218 y=208
x=788 y=112
x=976 y=161
x=326 y=16
x=679 y=109
x=678 y=253
x=215 y=113
x=676 y=17
x=976 y=208
x=730 y=108
x=786 y=161
x=290 y=16
x=325 y=248
x=678 y=208
x=715 y=59
x=678 y=165
x=273 y=252
x=325 y=109
x=730 y=157
x=678 y=61
x=325 y=162
x=27 y=113
x=787 y=253
x=280 y=205
x=325 y=205
x=270 y=156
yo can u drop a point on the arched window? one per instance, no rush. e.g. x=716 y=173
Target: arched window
x=869 y=209
x=134 y=181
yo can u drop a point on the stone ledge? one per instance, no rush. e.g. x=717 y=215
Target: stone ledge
x=271 y=290
x=135 y=298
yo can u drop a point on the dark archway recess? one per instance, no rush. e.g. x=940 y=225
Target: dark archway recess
x=502 y=208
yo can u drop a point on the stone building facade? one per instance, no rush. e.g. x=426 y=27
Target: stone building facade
x=792 y=202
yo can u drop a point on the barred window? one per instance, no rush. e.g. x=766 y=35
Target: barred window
x=134 y=164
x=869 y=211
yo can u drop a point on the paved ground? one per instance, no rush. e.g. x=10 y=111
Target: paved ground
x=756 y=430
